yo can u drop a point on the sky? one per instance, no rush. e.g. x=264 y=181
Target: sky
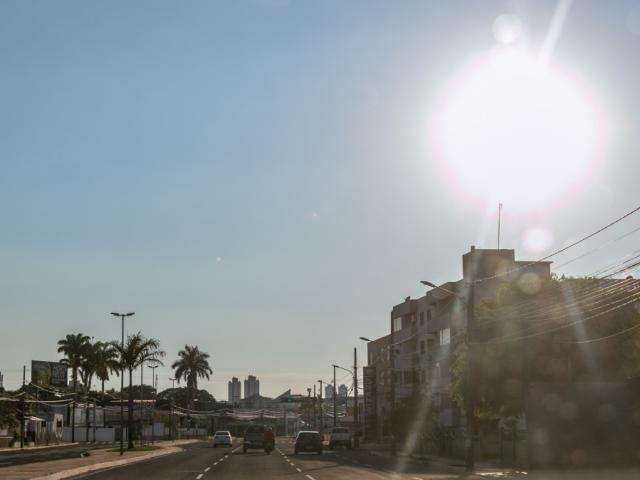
x=254 y=177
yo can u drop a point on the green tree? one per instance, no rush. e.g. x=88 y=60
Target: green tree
x=136 y=351
x=191 y=365
x=106 y=363
x=74 y=347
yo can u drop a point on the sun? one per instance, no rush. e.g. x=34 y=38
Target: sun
x=512 y=128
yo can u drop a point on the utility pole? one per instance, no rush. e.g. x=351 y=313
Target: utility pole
x=471 y=377
x=315 y=410
x=154 y=380
x=321 y=408
x=356 y=417
x=173 y=388
x=22 y=405
x=122 y=317
x=141 y=402
x=335 y=416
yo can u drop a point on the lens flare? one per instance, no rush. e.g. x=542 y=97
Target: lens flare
x=512 y=128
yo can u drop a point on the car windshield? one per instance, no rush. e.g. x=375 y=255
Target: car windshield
x=403 y=232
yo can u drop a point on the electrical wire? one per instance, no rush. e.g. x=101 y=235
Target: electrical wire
x=563 y=249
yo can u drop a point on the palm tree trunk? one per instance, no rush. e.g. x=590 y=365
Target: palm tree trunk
x=130 y=414
x=102 y=394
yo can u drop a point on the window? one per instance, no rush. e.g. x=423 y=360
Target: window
x=445 y=336
x=421 y=316
x=428 y=315
x=422 y=346
x=397 y=324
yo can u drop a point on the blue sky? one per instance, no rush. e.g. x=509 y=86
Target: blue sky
x=251 y=177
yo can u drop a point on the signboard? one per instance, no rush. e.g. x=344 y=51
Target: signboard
x=369 y=384
x=48 y=373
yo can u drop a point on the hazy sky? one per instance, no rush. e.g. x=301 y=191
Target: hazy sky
x=252 y=176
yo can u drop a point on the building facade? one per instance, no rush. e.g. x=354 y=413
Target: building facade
x=251 y=387
x=415 y=357
x=234 y=391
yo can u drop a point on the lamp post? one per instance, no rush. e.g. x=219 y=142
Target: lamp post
x=470 y=400
x=153 y=408
x=122 y=317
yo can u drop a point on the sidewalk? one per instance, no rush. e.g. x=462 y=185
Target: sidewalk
x=17 y=449
x=97 y=460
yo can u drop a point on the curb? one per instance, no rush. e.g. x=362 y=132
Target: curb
x=74 y=472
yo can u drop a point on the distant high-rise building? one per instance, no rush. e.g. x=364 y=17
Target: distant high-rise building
x=343 y=391
x=328 y=391
x=251 y=387
x=235 y=390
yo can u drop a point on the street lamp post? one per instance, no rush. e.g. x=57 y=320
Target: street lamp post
x=122 y=317
x=153 y=409
x=471 y=391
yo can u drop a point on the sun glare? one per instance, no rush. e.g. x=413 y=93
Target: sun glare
x=514 y=129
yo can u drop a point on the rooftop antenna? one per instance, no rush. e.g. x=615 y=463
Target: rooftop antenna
x=499 y=221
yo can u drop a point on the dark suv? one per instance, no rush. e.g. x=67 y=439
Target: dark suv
x=308 y=441
x=253 y=438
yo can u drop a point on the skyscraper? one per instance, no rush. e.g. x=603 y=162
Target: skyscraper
x=251 y=387
x=235 y=390
x=343 y=391
x=328 y=391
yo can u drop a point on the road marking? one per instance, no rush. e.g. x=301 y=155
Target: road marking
x=298 y=470
x=310 y=477
x=207 y=469
x=199 y=476
x=416 y=478
x=215 y=463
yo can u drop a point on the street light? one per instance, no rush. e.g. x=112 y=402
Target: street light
x=471 y=402
x=365 y=339
x=122 y=317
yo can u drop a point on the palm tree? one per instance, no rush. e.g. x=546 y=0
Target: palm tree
x=106 y=362
x=191 y=365
x=136 y=351
x=73 y=346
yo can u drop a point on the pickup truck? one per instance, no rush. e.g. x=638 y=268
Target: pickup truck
x=339 y=436
x=253 y=438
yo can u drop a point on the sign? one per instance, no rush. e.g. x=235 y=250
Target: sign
x=48 y=373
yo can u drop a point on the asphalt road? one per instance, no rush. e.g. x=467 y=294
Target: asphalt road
x=201 y=462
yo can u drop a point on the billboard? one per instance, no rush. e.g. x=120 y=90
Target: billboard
x=48 y=373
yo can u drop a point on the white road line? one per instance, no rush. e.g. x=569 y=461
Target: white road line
x=298 y=470
x=207 y=469
x=215 y=463
x=199 y=476
x=310 y=477
x=416 y=478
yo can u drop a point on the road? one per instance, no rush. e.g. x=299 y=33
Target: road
x=201 y=462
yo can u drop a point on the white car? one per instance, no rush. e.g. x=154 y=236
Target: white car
x=222 y=437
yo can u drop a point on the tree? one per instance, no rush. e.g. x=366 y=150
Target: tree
x=106 y=362
x=74 y=347
x=191 y=365
x=136 y=351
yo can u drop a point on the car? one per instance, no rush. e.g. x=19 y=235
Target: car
x=308 y=441
x=253 y=438
x=222 y=437
x=338 y=437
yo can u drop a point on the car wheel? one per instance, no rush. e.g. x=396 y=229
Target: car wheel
x=320 y=452
x=244 y=449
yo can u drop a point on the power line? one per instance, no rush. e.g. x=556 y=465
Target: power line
x=563 y=249
x=606 y=337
